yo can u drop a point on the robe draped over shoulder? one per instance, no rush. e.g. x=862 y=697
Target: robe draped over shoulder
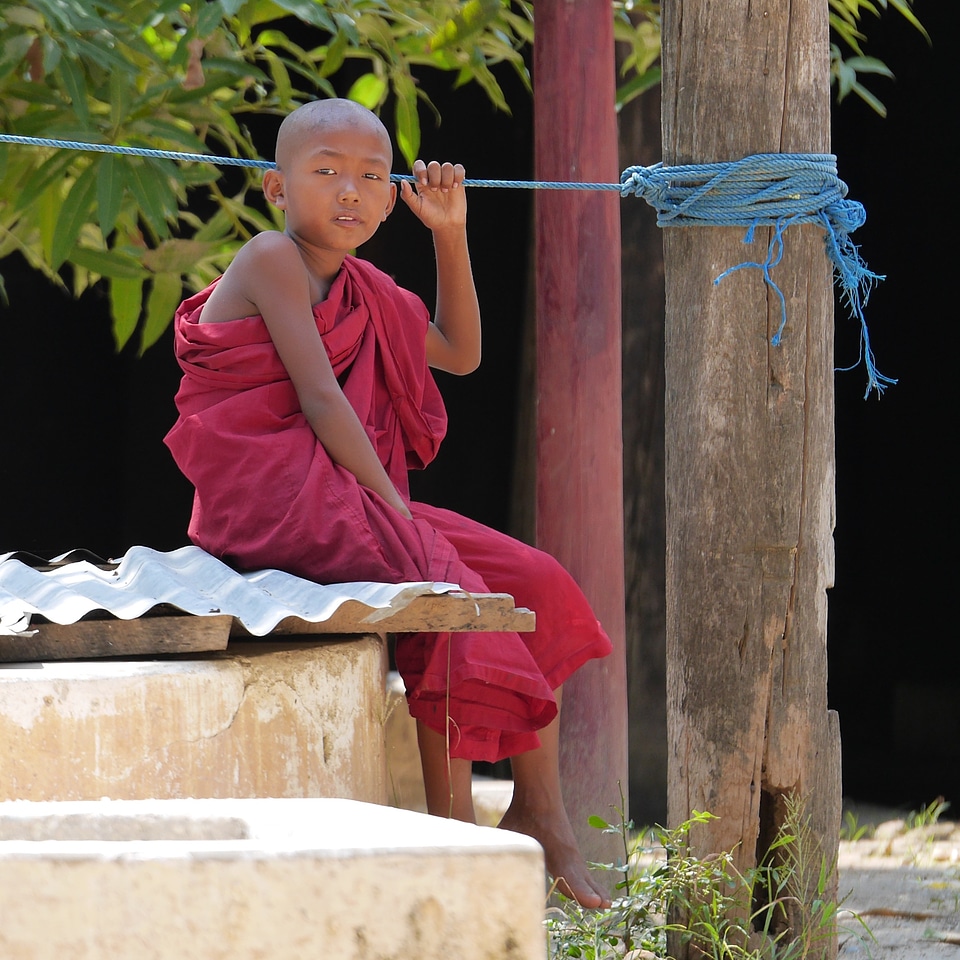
x=268 y=495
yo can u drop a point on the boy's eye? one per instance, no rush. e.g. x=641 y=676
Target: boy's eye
x=327 y=170
x=372 y=176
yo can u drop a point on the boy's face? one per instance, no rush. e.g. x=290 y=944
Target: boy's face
x=333 y=183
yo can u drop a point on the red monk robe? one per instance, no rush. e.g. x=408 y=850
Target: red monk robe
x=268 y=495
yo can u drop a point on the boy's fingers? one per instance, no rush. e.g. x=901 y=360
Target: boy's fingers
x=446 y=176
x=434 y=174
x=438 y=176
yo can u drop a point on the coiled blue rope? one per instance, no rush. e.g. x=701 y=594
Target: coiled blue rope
x=775 y=190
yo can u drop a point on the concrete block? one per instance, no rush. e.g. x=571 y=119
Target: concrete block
x=264 y=719
x=245 y=879
x=404 y=776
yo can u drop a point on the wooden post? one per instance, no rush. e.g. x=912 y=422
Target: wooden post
x=579 y=445
x=750 y=447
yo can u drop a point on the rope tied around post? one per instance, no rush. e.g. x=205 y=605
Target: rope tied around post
x=772 y=189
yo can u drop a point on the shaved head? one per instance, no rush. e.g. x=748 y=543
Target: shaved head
x=319 y=116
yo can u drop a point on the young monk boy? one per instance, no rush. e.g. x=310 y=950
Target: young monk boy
x=306 y=396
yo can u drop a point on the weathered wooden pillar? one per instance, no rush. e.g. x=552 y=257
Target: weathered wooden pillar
x=579 y=445
x=749 y=444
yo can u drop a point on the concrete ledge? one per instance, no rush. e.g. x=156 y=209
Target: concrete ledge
x=238 y=879
x=264 y=719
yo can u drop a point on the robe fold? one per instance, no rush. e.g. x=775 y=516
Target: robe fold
x=268 y=495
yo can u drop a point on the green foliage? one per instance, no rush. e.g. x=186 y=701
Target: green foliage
x=636 y=26
x=845 y=24
x=188 y=75
x=780 y=909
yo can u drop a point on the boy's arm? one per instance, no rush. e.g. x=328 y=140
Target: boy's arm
x=275 y=280
x=453 y=339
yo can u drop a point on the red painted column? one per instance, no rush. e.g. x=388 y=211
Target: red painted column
x=579 y=435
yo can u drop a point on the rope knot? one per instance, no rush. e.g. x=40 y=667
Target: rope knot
x=846 y=215
x=643 y=182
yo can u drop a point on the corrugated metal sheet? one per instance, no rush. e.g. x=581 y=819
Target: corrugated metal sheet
x=190 y=579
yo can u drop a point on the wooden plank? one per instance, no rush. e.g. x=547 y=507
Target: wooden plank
x=110 y=637
x=158 y=634
x=433 y=613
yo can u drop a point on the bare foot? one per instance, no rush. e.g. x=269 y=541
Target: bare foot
x=562 y=856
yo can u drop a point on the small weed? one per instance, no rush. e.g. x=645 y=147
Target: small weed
x=926 y=817
x=852 y=830
x=780 y=910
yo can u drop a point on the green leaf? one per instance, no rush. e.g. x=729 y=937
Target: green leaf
x=108 y=263
x=119 y=98
x=598 y=823
x=483 y=76
x=126 y=298
x=870 y=100
x=334 y=56
x=23 y=17
x=166 y=292
x=903 y=8
x=73 y=82
x=73 y=215
x=44 y=212
x=869 y=65
x=368 y=90
x=208 y=18
x=406 y=118
x=51 y=54
x=176 y=256
x=110 y=181
x=347 y=25
x=51 y=171
x=280 y=76
x=637 y=84
x=309 y=11
x=12 y=51
x=471 y=18
x=145 y=188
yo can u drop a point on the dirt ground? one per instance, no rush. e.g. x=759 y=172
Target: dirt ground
x=900 y=891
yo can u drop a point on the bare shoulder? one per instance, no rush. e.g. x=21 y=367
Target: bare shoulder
x=261 y=263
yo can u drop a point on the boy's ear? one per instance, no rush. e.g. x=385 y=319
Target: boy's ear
x=392 y=203
x=273 y=189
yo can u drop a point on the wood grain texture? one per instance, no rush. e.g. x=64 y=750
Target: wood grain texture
x=109 y=637
x=750 y=444
x=455 y=611
x=579 y=424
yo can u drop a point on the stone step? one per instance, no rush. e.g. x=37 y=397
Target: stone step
x=280 y=718
x=255 y=878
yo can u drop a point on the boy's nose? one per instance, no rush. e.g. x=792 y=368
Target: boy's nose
x=348 y=190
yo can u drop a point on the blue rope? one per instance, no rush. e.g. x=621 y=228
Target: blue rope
x=775 y=190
